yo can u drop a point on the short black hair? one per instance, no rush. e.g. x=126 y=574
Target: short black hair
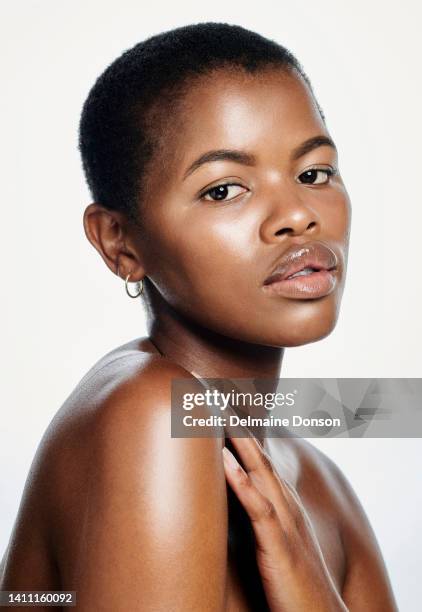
x=116 y=132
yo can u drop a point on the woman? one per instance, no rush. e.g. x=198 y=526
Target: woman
x=216 y=188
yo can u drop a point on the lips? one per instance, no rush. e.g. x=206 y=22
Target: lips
x=305 y=271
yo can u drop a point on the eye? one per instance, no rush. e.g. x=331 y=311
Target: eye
x=316 y=176
x=223 y=192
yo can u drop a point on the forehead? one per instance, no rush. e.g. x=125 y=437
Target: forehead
x=240 y=110
x=267 y=114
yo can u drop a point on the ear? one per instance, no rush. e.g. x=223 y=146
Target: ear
x=107 y=231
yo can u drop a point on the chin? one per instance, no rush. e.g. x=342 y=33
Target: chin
x=300 y=339
x=309 y=323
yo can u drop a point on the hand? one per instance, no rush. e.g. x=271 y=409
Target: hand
x=290 y=561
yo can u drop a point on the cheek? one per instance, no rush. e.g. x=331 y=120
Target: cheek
x=216 y=252
x=335 y=214
x=206 y=262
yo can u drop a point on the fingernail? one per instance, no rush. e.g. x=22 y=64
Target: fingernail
x=229 y=459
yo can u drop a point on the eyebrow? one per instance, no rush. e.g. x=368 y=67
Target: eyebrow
x=240 y=157
x=247 y=159
x=311 y=144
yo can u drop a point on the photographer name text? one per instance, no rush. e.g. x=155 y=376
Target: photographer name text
x=267 y=421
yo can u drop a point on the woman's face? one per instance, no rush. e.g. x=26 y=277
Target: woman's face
x=234 y=206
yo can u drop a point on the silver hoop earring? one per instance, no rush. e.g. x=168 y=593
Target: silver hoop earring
x=140 y=285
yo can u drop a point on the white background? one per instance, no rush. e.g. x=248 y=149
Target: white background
x=63 y=309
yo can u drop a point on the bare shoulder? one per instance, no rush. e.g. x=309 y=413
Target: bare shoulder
x=322 y=477
x=126 y=383
x=55 y=489
x=320 y=473
x=317 y=472
x=131 y=499
x=323 y=482
x=114 y=498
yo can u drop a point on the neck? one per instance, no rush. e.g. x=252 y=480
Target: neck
x=208 y=354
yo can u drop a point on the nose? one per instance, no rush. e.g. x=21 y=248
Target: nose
x=292 y=218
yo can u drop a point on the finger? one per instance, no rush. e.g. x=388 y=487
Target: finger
x=261 y=469
x=250 y=451
x=260 y=509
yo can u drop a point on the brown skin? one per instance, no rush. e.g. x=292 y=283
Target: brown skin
x=131 y=518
